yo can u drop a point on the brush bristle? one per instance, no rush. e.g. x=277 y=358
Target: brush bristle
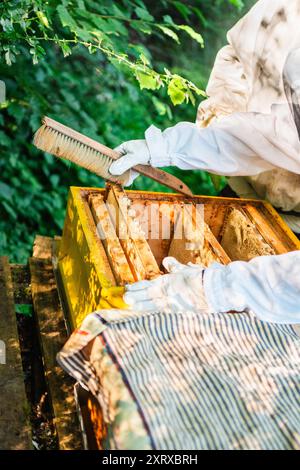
x=58 y=144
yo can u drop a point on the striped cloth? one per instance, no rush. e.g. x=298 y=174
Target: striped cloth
x=205 y=381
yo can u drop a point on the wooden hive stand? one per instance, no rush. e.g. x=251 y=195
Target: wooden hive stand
x=39 y=279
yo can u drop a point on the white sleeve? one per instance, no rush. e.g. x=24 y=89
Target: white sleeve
x=231 y=79
x=269 y=286
x=228 y=88
x=242 y=144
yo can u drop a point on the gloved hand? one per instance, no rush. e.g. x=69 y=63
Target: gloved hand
x=179 y=291
x=134 y=152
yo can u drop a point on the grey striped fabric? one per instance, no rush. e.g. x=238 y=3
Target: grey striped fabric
x=211 y=381
x=200 y=381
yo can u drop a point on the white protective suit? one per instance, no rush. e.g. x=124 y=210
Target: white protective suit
x=248 y=77
x=249 y=122
x=249 y=126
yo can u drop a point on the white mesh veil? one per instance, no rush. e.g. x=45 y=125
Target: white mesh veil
x=291 y=81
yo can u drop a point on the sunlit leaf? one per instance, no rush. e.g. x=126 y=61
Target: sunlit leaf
x=176 y=92
x=169 y=32
x=43 y=18
x=147 y=81
x=192 y=33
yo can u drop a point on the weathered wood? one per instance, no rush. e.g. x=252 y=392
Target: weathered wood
x=42 y=247
x=274 y=237
x=52 y=333
x=111 y=243
x=14 y=410
x=135 y=246
x=21 y=283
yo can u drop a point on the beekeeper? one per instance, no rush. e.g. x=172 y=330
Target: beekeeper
x=247 y=129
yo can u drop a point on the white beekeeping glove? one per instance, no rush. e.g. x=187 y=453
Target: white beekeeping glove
x=179 y=291
x=134 y=152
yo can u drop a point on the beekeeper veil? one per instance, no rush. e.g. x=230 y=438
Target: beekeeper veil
x=291 y=81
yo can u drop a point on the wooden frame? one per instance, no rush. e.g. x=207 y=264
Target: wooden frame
x=84 y=266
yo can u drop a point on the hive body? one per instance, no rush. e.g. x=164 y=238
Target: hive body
x=87 y=263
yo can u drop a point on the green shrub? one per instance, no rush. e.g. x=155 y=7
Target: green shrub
x=102 y=68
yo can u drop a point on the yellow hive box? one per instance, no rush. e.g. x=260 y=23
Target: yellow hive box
x=83 y=262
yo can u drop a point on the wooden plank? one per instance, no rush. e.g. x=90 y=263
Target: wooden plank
x=14 y=409
x=52 y=333
x=42 y=247
x=139 y=255
x=111 y=243
x=268 y=232
x=21 y=283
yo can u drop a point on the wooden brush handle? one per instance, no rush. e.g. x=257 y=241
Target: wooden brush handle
x=160 y=176
x=164 y=178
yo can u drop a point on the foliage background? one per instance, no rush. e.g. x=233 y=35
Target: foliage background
x=96 y=94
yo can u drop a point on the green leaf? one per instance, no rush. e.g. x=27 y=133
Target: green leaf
x=66 y=50
x=191 y=97
x=216 y=181
x=9 y=210
x=144 y=59
x=17 y=111
x=107 y=26
x=146 y=80
x=4 y=140
x=65 y=18
x=160 y=107
x=84 y=35
x=141 y=27
x=6 y=24
x=176 y=92
x=239 y=4
x=169 y=32
x=192 y=33
x=183 y=9
x=43 y=18
x=201 y=17
x=143 y=14
x=9 y=57
x=24 y=309
x=167 y=19
x=6 y=192
x=3 y=241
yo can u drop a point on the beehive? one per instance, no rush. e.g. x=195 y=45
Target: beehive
x=93 y=254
